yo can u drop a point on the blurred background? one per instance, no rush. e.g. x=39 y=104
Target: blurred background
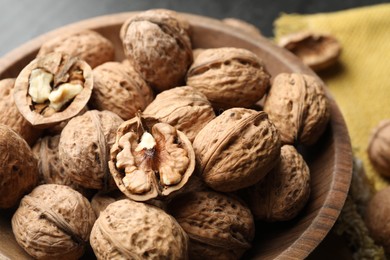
x=22 y=20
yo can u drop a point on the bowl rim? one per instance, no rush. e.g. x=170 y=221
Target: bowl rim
x=322 y=223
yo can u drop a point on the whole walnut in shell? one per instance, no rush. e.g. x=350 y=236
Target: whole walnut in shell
x=53 y=222
x=157 y=43
x=18 y=168
x=131 y=230
x=84 y=148
x=87 y=45
x=10 y=115
x=298 y=106
x=185 y=108
x=120 y=89
x=150 y=159
x=236 y=149
x=282 y=194
x=229 y=77
x=379 y=148
x=220 y=226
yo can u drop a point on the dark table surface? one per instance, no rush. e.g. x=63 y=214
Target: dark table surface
x=22 y=20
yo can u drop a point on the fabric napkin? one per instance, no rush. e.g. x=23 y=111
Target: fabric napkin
x=360 y=84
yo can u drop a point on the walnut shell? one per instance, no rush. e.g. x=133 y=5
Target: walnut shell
x=298 y=106
x=229 y=77
x=63 y=69
x=120 y=89
x=87 y=45
x=53 y=222
x=84 y=148
x=150 y=159
x=101 y=200
x=236 y=149
x=379 y=149
x=131 y=230
x=18 y=168
x=158 y=45
x=219 y=225
x=316 y=50
x=282 y=194
x=10 y=115
x=185 y=108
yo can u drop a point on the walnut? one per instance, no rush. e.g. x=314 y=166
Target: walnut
x=229 y=77
x=236 y=149
x=10 y=115
x=120 y=89
x=150 y=159
x=242 y=26
x=87 y=45
x=220 y=226
x=282 y=194
x=53 y=88
x=379 y=149
x=84 y=148
x=51 y=170
x=53 y=222
x=131 y=230
x=377 y=218
x=18 y=168
x=298 y=106
x=101 y=200
x=158 y=45
x=316 y=50
x=185 y=108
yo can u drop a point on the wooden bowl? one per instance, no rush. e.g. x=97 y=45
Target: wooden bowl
x=330 y=160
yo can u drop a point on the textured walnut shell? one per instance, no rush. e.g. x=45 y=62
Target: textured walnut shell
x=318 y=51
x=185 y=108
x=51 y=170
x=84 y=148
x=377 y=218
x=53 y=222
x=10 y=115
x=131 y=230
x=101 y=200
x=282 y=194
x=236 y=149
x=219 y=225
x=120 y=89
x=59 y=65
x=229 y=77
x=87 y=45
x=242 y=25
x=298 y=106
x=158 y=45
x=379 y=148
x=18 y=168
x=173 y=150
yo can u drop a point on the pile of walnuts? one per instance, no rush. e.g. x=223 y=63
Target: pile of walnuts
x=172 y=152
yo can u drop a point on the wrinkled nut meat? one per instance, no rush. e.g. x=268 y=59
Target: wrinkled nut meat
x=84 y=148
x=120 y=89
x=282 y=194
x=150 y=159
x=185 y=108
x=53 y=88
x=18 y=168
x=298 y=106
x=242 y=25
x=131 y=230
x=229 y=77
x=158 y=45
x=219 y=225
x=10 y=115
x=318 y=51
x=53 y=222
x=87 y=45
x=236 y=149
x=379 y=148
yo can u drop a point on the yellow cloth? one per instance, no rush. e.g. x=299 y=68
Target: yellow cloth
x=361 y=82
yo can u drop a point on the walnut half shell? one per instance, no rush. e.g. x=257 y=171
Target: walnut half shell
x=150 y=159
